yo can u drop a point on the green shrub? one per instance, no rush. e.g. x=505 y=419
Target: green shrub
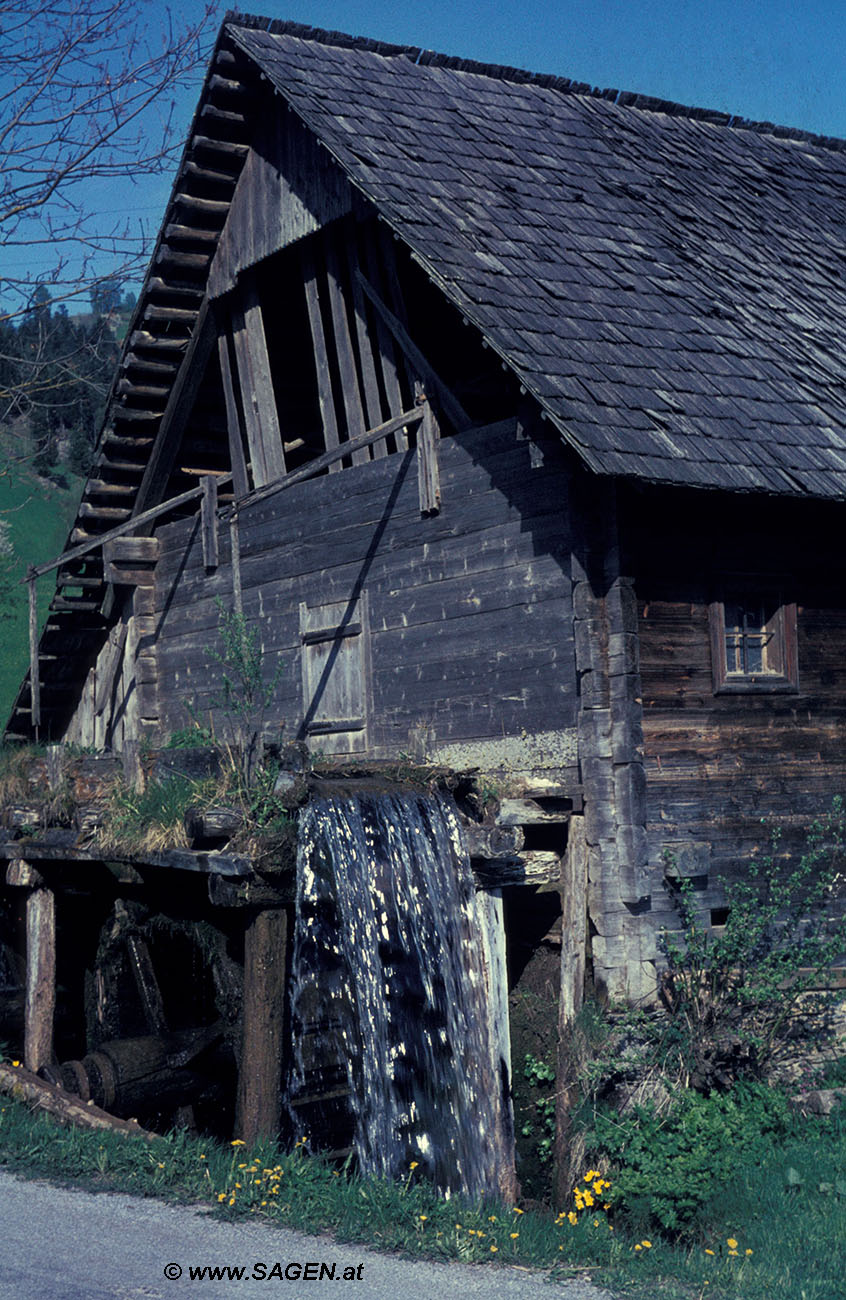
x=667 y=1168
x=738 y=994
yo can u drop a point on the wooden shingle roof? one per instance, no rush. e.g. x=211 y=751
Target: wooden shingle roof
x=670 y=284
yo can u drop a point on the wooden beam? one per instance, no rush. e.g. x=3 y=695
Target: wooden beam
x=260 y=1074
x=387 y=354
x=235 y=555
x=233 y=420
x=264 y=435
x=372 y=402
x=326 y=400
x=332 y=457
x=40 y=1003
x=208 y=522
x=490 y=920
x=137 y=521
x=34 y=679
x=428 y=471
x=356 y=422
x=574 y=920
x=446 y=399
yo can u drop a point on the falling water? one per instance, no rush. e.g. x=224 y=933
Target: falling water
x=388 y=991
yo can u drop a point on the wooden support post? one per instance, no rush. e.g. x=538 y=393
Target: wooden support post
x=353 y=406
x=40 y=978
x=258 y=399
x=428 y=471
x=235 y=555
x=385 y=342
x=328 y=417
x=571 y=996
x=208 y=522
x=34 y=680
x=489 y=916
x=240 y=481
x=260 y=1075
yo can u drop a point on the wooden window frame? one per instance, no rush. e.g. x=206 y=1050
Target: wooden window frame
x=783 y=626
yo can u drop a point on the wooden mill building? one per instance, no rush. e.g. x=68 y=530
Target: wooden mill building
x=511 y=413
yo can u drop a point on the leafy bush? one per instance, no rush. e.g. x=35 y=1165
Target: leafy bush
x=668 y=1167
x=736 y=995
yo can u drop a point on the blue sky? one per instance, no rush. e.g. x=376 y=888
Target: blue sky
x=763 y=59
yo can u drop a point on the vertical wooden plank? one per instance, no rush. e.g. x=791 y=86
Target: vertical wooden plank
x=263 y=432
x=489 y=916
x=208 y=522
x=233 y=423
x=260 y=1075
x=372 y=403
x=428 y=470
x=343 y=348
x=235 y=552
x=390 y=371
x=40 y=1004
x=34 y=679
x=321 y=358
x=574 y=883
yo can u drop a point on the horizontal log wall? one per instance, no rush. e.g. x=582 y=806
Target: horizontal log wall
x=469 y=611
x=717 y=764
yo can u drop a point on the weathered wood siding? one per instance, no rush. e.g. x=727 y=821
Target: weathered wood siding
x=288 y=188
x=717 y=764
x=466 y=636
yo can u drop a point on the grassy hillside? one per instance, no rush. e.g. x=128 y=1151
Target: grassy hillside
x=39 y=515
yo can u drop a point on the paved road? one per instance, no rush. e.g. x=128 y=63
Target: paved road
x=57 y=1244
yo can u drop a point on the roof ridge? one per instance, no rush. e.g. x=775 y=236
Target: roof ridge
x=522 y=76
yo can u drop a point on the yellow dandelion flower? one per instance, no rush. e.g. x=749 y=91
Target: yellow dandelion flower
x=264 y=1202
x=573 y=1217
x=606 y=1205
x=201 y=1157
x=708 y=1252
x=638 y=1246
x=221 y=1196
x=735 y=1253
x=647 y=1245
x=232 y=1200
x=596 y=1223
x=237 y=1142
x=458 y=1225
x=514 y=1236
x=238 y=1185
x=413 y=1164
x=243 y=1166
x=491 y=1218
x=16 y=1063
x=517 y=1209
x=591 y=1174
x=423 y=1218
x=748 y=1252
x=731 y=1242
x=494 y=1249
x=471 y=1232
x=588 y=1199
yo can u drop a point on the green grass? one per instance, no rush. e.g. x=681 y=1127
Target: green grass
x=794 y=1230
x=39 y=516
